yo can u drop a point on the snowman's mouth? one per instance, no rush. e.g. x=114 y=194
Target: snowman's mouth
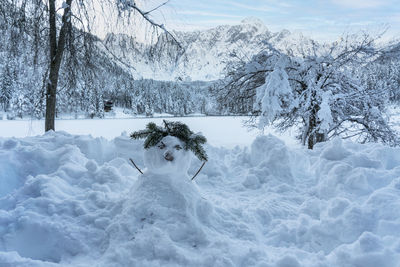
x=169 y=157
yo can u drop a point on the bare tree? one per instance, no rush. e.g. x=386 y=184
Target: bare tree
x=58 y=30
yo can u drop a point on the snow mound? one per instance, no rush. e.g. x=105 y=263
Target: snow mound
x=69 y=200
x=270 y=157
x=58 y=193
x=160 y=223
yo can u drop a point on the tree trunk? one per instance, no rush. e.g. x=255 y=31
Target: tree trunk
x=311 y=131
x=51 y=99
x=313 y=134
x=56 y=54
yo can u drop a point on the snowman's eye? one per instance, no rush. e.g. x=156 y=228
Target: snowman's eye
x=161 y=145
x=178 y=147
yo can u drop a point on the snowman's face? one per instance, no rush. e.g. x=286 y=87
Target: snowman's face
x=168 y=156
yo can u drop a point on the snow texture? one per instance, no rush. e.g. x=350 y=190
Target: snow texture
x=68 y=200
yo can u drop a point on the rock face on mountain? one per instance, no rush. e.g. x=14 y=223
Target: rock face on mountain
x=205 y=53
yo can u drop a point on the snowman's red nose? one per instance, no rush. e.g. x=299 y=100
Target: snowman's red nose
x=168 y=156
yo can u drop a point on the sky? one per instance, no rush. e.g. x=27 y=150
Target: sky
x=321 y=19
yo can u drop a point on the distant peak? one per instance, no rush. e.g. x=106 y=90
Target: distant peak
x=285 y=32
x=253 y=21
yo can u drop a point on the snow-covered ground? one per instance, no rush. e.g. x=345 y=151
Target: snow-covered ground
x=75 y=200
x=394 y=113
x=220 y=131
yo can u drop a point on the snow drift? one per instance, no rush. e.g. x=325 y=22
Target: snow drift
x=69 y=200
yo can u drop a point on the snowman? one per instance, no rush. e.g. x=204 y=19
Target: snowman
x=164 y=213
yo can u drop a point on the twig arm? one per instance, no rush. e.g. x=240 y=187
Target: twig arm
x=135 y=166
x=202 y=165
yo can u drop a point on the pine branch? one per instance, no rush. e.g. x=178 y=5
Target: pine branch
x=154 y=134
x=140 y=134
x=199 y=152
x=154 y=138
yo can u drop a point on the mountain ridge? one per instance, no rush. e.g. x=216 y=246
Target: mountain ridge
x=206 y=52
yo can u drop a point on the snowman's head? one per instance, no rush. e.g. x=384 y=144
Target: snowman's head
x=167 y=157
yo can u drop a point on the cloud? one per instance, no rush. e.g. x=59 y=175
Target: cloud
x=206 y=14
x=320 y=18
x=395 y=18
x=251 y=7
x=182 y=24
x=216 y=22
x=360 y=4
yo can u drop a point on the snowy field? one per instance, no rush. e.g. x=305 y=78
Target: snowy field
x=220 y=131
x=69 y=199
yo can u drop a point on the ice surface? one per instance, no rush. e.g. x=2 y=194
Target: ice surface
x=70 y=200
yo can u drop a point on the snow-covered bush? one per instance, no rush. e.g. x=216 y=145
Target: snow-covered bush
x=275 y=96
x=318 y=92
x=326 y=100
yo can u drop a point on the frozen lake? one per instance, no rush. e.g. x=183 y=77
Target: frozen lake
x=220 y=131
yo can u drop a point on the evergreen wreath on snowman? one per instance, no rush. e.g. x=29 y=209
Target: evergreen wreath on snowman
x=167 y=147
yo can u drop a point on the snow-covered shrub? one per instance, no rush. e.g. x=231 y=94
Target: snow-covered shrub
x=324 y=100
x=317 y=91
x=275 y=96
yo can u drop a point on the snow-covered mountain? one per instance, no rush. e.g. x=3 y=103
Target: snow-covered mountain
x=205 y=53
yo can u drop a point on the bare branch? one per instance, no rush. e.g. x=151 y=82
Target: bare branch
x=145 y=14
x=148 y=12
